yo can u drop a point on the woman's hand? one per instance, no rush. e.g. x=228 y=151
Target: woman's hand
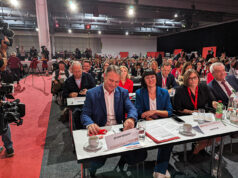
x=148 y=114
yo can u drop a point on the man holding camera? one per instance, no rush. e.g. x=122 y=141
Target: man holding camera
x=6 y=133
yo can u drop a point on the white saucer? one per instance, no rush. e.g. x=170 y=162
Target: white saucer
x=87 y=147
x=190 y=134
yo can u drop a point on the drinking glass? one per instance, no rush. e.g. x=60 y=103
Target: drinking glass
x=201 y=116
x=141 y=126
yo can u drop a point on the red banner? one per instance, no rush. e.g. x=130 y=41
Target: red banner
x=124 y=54
x=177 y=51
x=155 y=54
x=206 y=49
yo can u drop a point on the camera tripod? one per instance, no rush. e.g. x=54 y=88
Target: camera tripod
x=33 y=72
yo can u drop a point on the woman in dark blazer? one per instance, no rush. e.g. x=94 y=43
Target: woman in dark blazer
x=154 y=102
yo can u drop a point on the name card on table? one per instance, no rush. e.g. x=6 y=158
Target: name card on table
x=75 y=101
x=211 y=126
x=120 y=139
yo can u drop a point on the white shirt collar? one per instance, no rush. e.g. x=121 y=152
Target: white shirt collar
x=106 y=92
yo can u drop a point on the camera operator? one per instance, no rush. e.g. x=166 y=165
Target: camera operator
x=45 y=52
x=33 y=52
x=6 y=137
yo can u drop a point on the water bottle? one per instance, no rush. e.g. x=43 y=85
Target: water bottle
x=219 y=110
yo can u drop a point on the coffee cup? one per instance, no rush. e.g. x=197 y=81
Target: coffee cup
x=93 y=141
x=187 y=127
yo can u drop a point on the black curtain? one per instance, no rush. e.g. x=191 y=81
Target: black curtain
x=224 y=36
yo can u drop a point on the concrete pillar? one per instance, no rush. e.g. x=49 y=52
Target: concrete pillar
x=43 y=24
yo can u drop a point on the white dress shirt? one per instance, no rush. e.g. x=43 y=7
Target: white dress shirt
x=78 y=82
x=109 y=100
x=153 y=104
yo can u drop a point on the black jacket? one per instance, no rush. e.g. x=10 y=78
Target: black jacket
x=170 y=83
x=71 y=86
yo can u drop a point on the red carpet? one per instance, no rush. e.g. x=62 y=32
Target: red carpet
x=29 y=138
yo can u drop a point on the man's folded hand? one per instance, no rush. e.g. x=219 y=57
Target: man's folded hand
x=93 y=129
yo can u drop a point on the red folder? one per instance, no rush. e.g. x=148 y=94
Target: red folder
x=160 y=141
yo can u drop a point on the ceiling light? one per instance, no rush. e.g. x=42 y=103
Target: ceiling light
x=127 y=33
x=69 y=30
x=15 y=3
x=131 y=11
x=37 y=29
x=175 y=15
x=99 y=32
x=73 y=6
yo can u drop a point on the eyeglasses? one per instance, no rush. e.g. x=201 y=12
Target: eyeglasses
x=192 y=78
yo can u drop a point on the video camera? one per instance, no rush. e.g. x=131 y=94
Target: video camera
x=6 y=32
x=9 y=111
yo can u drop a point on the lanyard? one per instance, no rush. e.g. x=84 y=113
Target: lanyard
x=195 y=103
x=164 y=81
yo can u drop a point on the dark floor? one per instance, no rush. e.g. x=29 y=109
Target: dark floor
x=59 y=161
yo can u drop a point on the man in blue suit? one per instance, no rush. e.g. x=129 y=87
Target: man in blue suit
x=221 y=86
x=107 y=105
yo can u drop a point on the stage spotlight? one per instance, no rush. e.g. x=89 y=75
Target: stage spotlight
x=37 y=29
x=175 y=15
x=73 y=6
x=15 y=3
x=131 y=11
x=127 y=33
x=99 y=32
x=69 y=30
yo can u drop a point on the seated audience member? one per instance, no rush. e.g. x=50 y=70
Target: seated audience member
x=186 y=67
x=170 y=61
x=208 y=73
x=78 y=83
x=198 y=68
x=220 y=87
x=125 y=82
x=58 y=78
x=234 y=68
x=137 y=70
x=165 y=79
x=154 y=67
x=106 y=105
x=145 y=64
x=101 y=74
x=176 y=72
x=87 y=68
x=153 y=102
x=192 y=96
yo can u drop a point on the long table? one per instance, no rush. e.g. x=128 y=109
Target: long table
x=80 y=138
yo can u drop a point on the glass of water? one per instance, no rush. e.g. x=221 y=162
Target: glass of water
x=201 y=116
x=141 y=126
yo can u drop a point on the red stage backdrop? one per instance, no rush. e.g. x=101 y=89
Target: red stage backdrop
x=124 y=54
x=176 y=51
x=206 y=49
x=155 y=54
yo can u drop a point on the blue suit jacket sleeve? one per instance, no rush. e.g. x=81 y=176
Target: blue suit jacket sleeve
x=168 y=105
x=86 y=117
x=139 y=103
x=129 y=107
